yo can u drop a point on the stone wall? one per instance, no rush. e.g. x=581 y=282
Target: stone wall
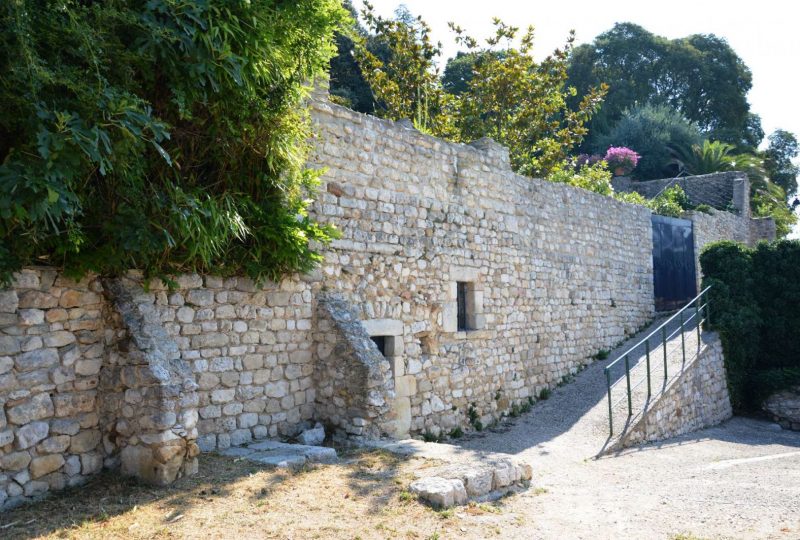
x=696 y=399
x=250 y=350
x=52 y=347
x=118 y=374
x=353 y=380
x=728 y=191
x=554 y=273
x=713 y=227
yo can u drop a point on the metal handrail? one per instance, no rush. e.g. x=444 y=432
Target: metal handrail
x=698 y=309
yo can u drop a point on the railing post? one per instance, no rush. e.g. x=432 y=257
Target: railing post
x=610 y=413
x=628 y=380
x=647 y=354
x=697 y=316
x=664 y=344
x=683 y=340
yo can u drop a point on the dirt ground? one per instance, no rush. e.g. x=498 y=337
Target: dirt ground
x=363 y=497
x=738 y=480
x=714 y=484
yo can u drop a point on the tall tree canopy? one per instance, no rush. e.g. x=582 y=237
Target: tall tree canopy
x=782 y=149
x=503 y=92
x=166 y=136
x=700 y=76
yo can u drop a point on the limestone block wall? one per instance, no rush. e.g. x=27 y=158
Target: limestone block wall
x=250 y=351
x=716 y=226
x=724 y=190
x=554 y=273
x=353 y=380
x=482 y=288
x=697 y=398
x=52 y=347
x=149 y=403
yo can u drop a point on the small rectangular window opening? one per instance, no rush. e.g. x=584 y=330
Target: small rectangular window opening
x=380 y=342
x=461 y=301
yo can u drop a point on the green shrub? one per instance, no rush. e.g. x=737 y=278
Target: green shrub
x=593 y=177
x=602 y=354
x=456 y=433
x=671 y=202
x=753 y=301
x=651 y=130
x=165 y=136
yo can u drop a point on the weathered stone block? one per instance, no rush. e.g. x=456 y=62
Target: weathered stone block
x=30 y=317
x=200 y=297
x=65 y=426
x=440 y=492
x=15 y=461
x=45 y=465
x=38 y=407
x=31 y=434
x=314 y=436
x=57 y=444
x=88 y=367
x=36 y=359
x=9 y=301
x=74 y=403
x=85 y=441
x=59 y=339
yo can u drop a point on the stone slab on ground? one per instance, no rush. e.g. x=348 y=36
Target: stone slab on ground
x=465 y=476
x=282 y=455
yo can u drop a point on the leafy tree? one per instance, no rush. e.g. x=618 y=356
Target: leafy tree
x=510 y=97
x=347 y=84
x=162 y=135
x=783 y=147
x=652 y=131
x=700 y=76
x=460 y=69
x=521 y=103
x=406 y=83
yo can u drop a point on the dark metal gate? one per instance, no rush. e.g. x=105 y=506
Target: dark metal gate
x=674 y=277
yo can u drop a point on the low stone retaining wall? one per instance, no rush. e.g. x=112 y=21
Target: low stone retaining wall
x=784 y=408
x=695 y=399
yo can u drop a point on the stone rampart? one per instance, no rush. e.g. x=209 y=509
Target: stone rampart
x=456 y=292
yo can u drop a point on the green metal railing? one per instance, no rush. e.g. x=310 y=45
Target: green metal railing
x=697 y=306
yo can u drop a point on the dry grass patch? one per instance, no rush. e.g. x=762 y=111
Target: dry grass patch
x=363 y=497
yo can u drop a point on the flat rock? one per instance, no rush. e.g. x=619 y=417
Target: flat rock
x=482 y=475
x=314 y=436
x=440 y=492
x=283 y=455
x=287 y=461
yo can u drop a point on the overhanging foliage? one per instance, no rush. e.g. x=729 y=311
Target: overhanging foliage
x=161 y=135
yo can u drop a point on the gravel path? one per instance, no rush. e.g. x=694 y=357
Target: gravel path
x=737 y=480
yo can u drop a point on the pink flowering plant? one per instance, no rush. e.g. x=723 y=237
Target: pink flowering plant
x=621 y=160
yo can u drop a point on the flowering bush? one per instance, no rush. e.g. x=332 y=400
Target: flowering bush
x=621 y=160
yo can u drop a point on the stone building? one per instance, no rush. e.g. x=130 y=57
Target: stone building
x=457 y=291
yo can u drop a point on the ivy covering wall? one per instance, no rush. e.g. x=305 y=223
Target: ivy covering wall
x=755 y=306
x=161 y=135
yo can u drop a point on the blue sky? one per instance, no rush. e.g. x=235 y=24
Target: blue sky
x=765 y=34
